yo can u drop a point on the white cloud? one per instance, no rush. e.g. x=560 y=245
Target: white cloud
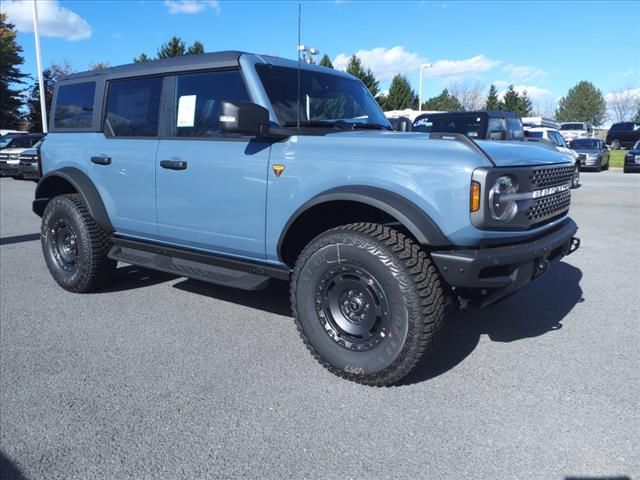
x=524 y=73
x=384 y=62
x=191 y=6
x=630 y=92
x=629 y=73
x=458 y=69
x=536 y=94
x=54 y=20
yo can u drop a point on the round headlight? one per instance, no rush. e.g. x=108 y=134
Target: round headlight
x=503 y=210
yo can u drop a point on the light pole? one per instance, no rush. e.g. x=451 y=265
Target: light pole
x=43 y=106
x=423 y=65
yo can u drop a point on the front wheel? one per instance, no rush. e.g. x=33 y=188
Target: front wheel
x=575 y=182
x=367 y=301
x=75 y=248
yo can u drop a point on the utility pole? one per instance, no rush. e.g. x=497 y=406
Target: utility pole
x=43 y=106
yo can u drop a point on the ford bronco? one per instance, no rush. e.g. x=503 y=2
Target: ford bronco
x=235 y=168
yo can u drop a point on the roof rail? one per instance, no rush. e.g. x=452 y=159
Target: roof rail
x=459 y=137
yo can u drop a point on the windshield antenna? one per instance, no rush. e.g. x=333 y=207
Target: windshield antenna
x=299 y=59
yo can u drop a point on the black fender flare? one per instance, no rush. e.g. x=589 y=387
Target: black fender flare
x=82 y=184
x=412 y=217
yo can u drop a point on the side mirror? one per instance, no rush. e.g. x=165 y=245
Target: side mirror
x=498 y=135
x=245 y=118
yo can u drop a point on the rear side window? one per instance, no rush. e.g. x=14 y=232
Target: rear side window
x=198 y=98
x=132 y=107
x=74 y=105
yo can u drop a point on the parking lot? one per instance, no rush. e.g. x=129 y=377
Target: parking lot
x=162 y=377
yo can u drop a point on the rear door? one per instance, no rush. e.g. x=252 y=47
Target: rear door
x=123 y=157
x=211 y=187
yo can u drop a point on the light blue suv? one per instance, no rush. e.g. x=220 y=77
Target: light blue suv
x=235 y=168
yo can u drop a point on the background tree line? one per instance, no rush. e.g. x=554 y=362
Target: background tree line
x=20 y=93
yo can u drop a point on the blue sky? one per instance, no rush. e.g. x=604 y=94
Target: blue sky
x=545 y=47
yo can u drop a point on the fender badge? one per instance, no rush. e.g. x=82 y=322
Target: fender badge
x=277 y=169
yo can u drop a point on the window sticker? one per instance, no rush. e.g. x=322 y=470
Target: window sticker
x=186 y=110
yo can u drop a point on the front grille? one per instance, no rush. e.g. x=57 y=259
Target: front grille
x=549 y=177
x=549 y=207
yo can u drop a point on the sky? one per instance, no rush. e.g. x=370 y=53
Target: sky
x=543 y=47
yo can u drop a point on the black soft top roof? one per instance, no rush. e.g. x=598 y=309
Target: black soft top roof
x=487 y=113
x=174 y=64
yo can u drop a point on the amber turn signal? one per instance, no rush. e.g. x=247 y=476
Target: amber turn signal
x=475 y=196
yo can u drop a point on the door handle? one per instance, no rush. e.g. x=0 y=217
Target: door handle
x=173 y=164
x=101 y=160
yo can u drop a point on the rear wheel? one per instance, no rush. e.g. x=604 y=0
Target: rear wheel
x=367 y=301
x=75 y=248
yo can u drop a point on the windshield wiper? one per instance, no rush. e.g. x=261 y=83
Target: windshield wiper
x=369 y=126
x=321 y=124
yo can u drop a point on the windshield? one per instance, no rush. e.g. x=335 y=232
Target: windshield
x=573 y=126
x=325 y=99
x=585 y=143
x=5 y=141
x=472 y=126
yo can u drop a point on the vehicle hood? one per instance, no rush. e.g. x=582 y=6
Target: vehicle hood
x=588 y=151
x=503 y=154
x=29 y=151
x=11 y=151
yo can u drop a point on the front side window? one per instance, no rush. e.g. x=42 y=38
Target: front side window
x=198 y=98
x=74 y=105
x=326 y=99
x=132 y=107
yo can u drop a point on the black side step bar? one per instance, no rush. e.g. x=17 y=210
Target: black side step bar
x=192 y=264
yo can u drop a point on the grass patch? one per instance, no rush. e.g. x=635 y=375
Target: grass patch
x=616 y=160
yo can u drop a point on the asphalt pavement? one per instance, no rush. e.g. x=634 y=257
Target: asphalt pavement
x=163 y=377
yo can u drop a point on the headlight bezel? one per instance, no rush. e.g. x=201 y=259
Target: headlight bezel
x=503 y=209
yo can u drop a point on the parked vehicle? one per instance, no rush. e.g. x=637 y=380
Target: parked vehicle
x=483 y=124
x=592 y=153
x=235 y=168
x=540 y=122
x=623 y=135
x=632 y=159
x=554 y=137
x=7 y=137
x=29 y=162
x=573 y=130
x=10 y=155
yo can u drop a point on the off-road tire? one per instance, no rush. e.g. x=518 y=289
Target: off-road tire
x=89 y=268
x=407 y=279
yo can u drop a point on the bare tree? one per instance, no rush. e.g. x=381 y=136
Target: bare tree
x=471 y=96
x=545 y=108
x=99 y=65
x=624 y=104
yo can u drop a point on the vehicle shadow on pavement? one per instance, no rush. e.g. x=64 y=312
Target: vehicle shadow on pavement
x=131 y=277
x=8 y=470
x=273 y=299
x=537 y=309
x=30 y=237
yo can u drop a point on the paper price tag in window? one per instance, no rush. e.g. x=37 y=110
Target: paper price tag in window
x=186 y=110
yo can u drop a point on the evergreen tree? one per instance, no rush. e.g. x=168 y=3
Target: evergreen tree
x=400 y=95
x=355 y=68
x=98 y=65
x=196 y=49
x=173 y=48
x=444 y=102
x=10 y=60
x=326 y=61
x=583 y=103
x=511 y=100
x=525 y=109
x=493 y=102
x=143 y=57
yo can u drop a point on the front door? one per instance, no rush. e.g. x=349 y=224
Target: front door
x=211 y=188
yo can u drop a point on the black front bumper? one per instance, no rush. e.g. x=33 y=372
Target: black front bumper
x=500 y=271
